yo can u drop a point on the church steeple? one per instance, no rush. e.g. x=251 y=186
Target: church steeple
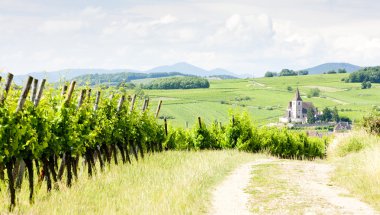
x=297 y=97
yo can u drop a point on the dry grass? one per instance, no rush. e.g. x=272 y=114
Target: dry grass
x=357 y=158
x=165 y=183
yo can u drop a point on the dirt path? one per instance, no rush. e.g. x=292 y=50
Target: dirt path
x=229 y=197
x=284 y=187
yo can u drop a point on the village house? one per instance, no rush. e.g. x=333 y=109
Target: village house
x=297 y=110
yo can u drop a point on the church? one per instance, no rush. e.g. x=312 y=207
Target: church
x=297 y=110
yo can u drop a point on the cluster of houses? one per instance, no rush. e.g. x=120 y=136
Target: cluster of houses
x=296 y=113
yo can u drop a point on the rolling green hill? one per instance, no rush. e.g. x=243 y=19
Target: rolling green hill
x=264 y=98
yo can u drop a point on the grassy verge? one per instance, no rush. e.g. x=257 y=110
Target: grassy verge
x=166 y=183
x=357 y=159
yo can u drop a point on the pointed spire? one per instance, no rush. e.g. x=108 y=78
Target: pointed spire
x=297 y=97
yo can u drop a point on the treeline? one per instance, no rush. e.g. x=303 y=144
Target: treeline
x=335 y=72
x=286 y=72
x=177 y=83
x=117 y=78
x=368 y=74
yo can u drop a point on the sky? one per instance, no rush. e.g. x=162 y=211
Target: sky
x=242 y=36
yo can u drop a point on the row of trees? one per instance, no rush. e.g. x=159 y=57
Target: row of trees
x=335 y=72
x=368 y=74
x=123 y=77
x=177 y=83
x=286 y=72
x=328 y=115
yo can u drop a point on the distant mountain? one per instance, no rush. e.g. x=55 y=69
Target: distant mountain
x=320 y=69
x=189 y=69
x=68 y=74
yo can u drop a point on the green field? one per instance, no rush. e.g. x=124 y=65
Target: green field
x=268 y=98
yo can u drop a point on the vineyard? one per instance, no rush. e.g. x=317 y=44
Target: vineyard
x=45 y=134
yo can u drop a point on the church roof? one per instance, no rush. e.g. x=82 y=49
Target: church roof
x=297 y=97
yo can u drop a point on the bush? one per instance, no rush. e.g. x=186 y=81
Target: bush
x=314 y=92
x=372 y=122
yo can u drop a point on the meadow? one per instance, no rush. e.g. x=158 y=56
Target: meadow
x=266 y=99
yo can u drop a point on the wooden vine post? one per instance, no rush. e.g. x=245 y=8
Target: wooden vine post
x=199 y=122
x=2 y=100
x=64 y=89
x=7 y=87
x=97 y=98
x=9 y=164
x=133 y=103
x=67 y=156
x=146 y=103
x=166 y=126
x=39 y=93
x=34 y=90
x=158 y=108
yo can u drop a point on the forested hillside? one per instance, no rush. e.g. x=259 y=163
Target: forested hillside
x=177 y=83
x=117 y=78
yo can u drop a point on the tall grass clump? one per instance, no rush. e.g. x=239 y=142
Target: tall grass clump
x=357 y=161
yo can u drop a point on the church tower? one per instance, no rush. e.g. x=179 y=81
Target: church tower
x=297 y=106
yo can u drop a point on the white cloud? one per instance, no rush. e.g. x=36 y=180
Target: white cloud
x=243 y=36
x=58 y=26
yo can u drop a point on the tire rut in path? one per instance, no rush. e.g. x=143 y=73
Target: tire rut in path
x=229 y=197
x=314 y=193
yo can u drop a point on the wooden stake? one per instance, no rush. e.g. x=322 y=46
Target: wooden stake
x=88 y=95
x=158 y=108
x=200 y=122
x=39 y=94
x=81 y=98
x=133 y=102
x=24 y=94
x=147 y=103
x=120 y=104
x=64 y=89
x=144 y=106
x=6 y=88
x=70 y=92
x=97 y=100
x=166 y=126
x=34 y=90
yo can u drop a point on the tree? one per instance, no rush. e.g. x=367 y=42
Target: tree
x=288 y=72
x=270 y=74
x=369 y=85
x=335 y=115
x=310 y=116
x=326 y=115
x=303 y=72
x=314 y=92
x=331 y=72
x=366 y=85
x=342 y=71
x=290 y=89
